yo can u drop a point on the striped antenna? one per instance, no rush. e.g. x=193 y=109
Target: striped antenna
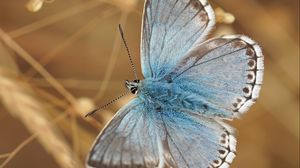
x=106 y=105
x=134 y=71
x=128 y=52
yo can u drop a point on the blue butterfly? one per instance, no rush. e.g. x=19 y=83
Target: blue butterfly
x=190 y=86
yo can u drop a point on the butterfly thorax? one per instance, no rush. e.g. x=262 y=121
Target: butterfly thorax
x=160 y=93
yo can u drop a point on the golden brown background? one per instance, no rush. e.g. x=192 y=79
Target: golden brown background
x=60 y=59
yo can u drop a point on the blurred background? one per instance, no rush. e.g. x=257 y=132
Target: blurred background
x=60 y=59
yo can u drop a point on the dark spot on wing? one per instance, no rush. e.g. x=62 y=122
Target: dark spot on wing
x=250 y=52
x=251 y=63
x=223 y=135
x=239 y=44
x=246 y=90
x=222 y=152
x=216 y=161
x=250 y=76
x=196 y=4
x=203 y=16
x=205 y=106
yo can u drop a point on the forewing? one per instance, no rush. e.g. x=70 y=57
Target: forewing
x=225 y=73
x=193 y=141
x=129 y=140
x=170 y=28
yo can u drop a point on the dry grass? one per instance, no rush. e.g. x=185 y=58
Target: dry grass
x=19 y=100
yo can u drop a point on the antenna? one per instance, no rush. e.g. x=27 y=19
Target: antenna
x=134 y=71
x=129 y=55
x=104 y=106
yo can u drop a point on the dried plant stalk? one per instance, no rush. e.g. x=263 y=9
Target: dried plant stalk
x=36 y=5
x=19 y=100
x=70 y=40
x=126 y=6
x=224 y=17
x=53 y=19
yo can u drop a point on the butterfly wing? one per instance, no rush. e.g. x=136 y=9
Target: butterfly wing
x=129 y=140
x=223 y=73
x=170 y=28
x=194 y=141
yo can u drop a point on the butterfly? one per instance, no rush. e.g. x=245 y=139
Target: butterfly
x=190 y=86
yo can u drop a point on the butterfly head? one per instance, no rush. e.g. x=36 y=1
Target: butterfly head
x=133 y=86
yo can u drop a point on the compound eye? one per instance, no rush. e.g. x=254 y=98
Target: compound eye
x=136 y=81
x=133 y=90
